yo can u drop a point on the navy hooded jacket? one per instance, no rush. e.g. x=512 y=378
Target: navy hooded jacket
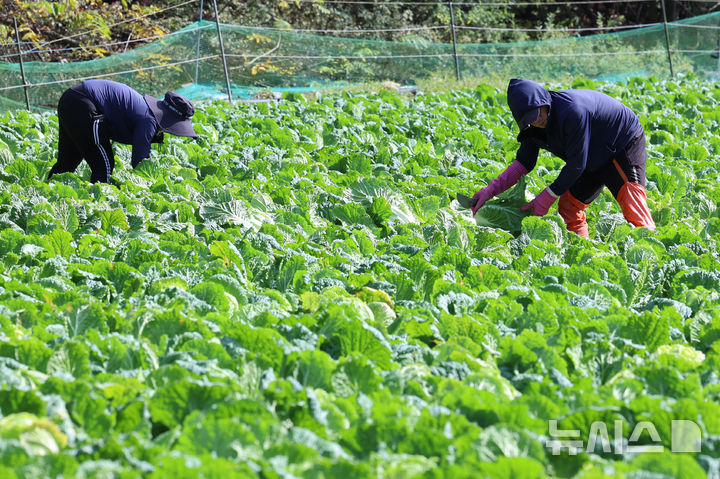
x=128 y=116
x=585 y=129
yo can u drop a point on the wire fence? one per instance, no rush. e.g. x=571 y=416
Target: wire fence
x=194 y=60
x=95 y=45
x=112 y=74
x=121 y=22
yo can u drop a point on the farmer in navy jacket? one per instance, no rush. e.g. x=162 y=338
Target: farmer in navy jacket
x=94 y=112
x=600 y=140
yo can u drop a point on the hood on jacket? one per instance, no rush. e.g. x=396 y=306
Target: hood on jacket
x=524 y=97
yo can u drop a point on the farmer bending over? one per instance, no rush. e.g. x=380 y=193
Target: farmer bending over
x=93 y=112
x=600 y=140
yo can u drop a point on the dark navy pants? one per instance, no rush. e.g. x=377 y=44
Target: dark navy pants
x=627 y=166
x=83 y=136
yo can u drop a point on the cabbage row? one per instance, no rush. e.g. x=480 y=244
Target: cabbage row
x=297 y=294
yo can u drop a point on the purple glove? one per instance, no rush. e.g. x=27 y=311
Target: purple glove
x=541 y=204
x=505 y=180
x=481 y=197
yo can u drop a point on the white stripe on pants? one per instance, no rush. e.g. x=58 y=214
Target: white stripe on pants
x=104 y=154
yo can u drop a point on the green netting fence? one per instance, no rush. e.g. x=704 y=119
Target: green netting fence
x=189 y=61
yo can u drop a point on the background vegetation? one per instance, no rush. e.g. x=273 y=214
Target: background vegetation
x=48 y=24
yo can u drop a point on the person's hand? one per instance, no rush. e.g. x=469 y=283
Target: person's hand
x=505 y=180
x=481 y=197
x=541 y=204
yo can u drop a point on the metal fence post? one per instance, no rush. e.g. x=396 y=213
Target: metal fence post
x=667 y=39
x=454 y=41
x=22 y=66
x=222 y=51
x=197 y=50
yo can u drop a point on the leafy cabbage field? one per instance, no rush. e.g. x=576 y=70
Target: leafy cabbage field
x=298 y=294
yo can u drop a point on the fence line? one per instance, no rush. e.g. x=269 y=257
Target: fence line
x=349 y=57
x=712 y=52
x=584 y=29
x=121 y=22
x=12 y=44
x=581 y=54
x=383 y=30
x=111 y=44
x=362 y=57
x=315 y=30
x=703 y=27
x=103 y=75
x=349 y=2
x=466 y=55
x=358 y=57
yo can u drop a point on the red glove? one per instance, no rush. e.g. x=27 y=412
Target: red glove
x=541 y=204
x=505 y=180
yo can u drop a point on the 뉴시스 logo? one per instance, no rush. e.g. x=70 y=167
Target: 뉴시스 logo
x=686 y=436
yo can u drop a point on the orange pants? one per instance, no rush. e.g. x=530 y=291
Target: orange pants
x=573 y=213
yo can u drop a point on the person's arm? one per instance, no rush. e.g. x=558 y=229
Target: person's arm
x=142 y=140
x=527 y=155
x=525 y=160
x=576 y=132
